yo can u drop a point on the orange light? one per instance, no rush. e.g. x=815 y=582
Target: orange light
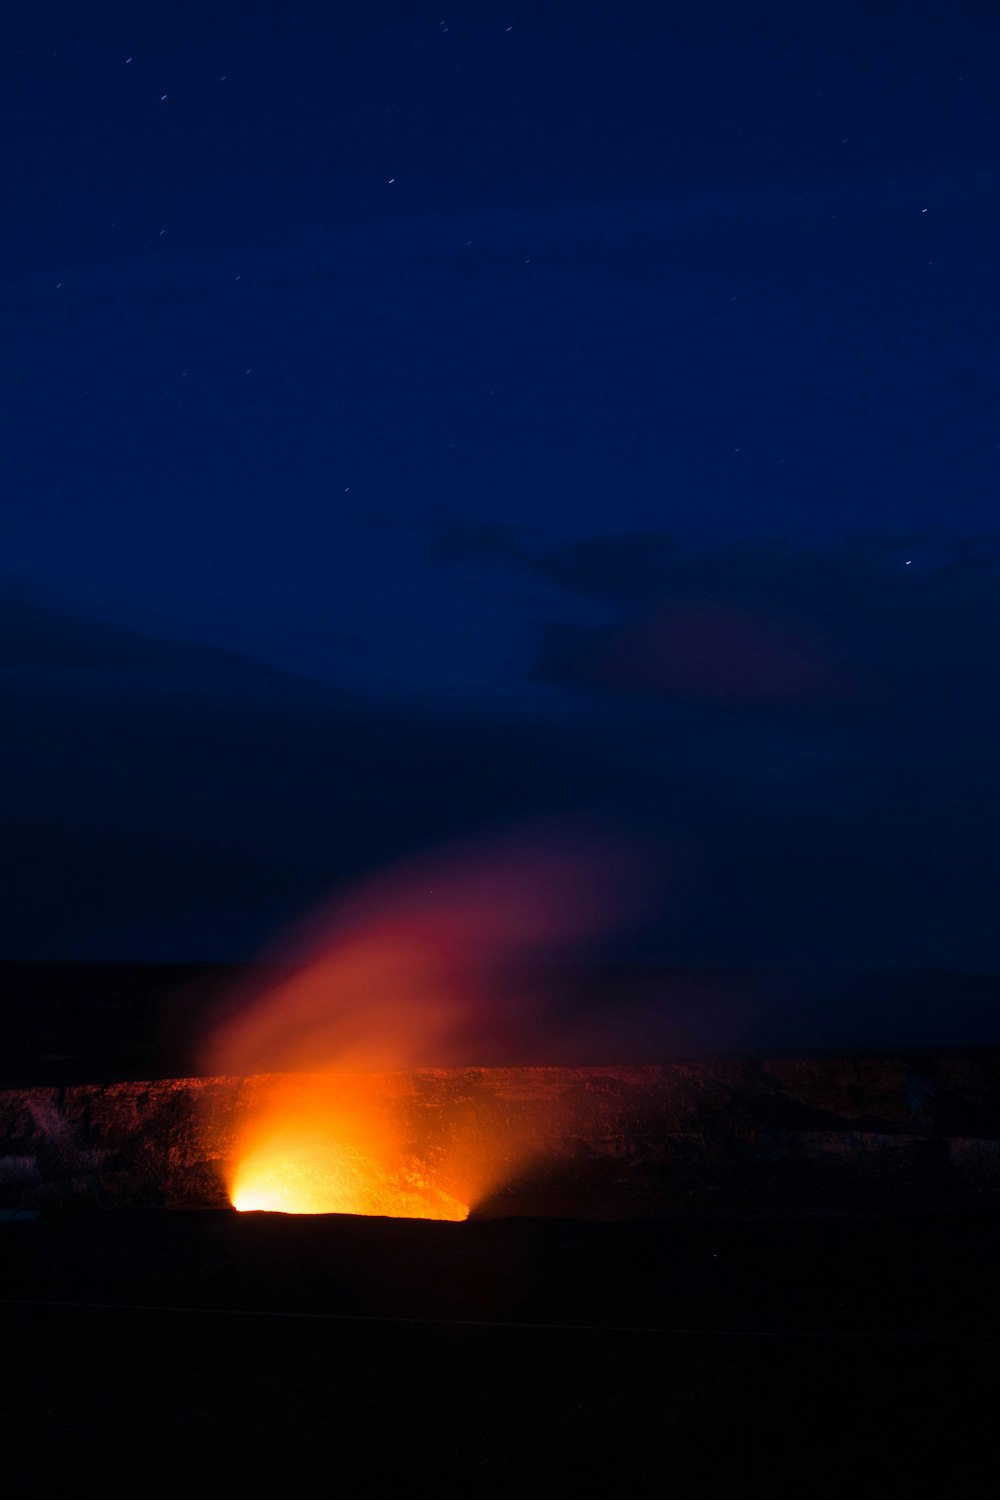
x=436 y=963
x=295 y=1173
x=307 y=1153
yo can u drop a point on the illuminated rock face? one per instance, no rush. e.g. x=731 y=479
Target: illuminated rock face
x=593 y=1142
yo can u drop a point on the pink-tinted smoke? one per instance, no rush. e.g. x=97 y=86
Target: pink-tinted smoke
x=440 y=962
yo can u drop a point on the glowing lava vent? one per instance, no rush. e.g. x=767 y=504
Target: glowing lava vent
x=300 y=1172
x=438 y=963
x=304 y=1155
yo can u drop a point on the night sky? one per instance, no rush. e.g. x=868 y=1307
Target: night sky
x=417 y=421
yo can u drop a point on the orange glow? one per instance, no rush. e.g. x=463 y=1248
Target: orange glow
x=329 y=1145
x=295 y=1171
x=438 y=964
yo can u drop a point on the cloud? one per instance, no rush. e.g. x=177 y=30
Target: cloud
x=49 y=648
x=459 y=541
x=689 y=650
x=634 y=566
x=449 y=539
x=813 y=736
x=896 y=631
x=171 y=799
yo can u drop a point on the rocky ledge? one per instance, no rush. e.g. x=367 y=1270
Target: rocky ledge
x=801 y=1134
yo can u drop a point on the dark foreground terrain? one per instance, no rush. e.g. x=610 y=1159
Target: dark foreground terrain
x=813 y=1322
x=807 y=1356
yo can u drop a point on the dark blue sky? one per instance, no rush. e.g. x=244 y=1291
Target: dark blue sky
x=414 y=420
